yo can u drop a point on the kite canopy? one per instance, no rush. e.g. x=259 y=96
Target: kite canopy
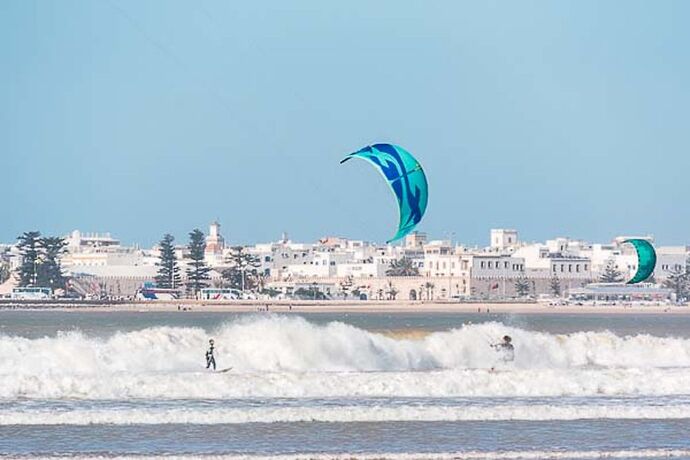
x=646 y=259
x=406 y=178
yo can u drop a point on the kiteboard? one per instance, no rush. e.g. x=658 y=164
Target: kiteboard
x=498 y=371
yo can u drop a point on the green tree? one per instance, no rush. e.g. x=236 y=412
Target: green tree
x=611 y=274
x=258 y=281
x=429 y=289
x=357 y=292
x=4 y=271
x=522 y=286
x=402 y=267
x=197 y=271
x=346 y=286
x=168 y=276
x=49 y=269
x=309 y=293
x=555 y=285
x=679 y=281
x=271 y=292
x=242 y=272
x=391 y=291
x=29 y=251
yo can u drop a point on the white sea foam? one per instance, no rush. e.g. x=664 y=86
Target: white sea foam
x=467 y=455
x=341 y=414
x=289 y=357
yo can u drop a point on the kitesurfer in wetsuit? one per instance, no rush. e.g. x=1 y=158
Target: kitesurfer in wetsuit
x=210 y=359
x=506 y=350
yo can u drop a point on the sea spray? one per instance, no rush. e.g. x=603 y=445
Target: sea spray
x=287 y=356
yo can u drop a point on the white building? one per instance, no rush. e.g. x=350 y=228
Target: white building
x=78 y=241
x=100 y=250
x=670 y=259
x=503 y=239
x=442 y=259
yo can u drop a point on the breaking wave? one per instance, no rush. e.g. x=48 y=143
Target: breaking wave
x=280 y=356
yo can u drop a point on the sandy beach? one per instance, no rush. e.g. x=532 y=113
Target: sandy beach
x=351 y=307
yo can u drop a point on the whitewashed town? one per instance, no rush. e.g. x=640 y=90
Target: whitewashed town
x=98 y=266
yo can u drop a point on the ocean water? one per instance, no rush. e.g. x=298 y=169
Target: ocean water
x=407 y=386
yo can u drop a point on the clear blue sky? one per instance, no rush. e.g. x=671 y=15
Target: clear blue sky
x=146 y=117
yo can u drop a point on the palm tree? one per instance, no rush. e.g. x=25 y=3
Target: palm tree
x=402 y=267
x=391 y=291
x=346 y=286
x=429 y=286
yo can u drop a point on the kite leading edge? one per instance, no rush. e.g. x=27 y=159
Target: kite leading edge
x=405 y=177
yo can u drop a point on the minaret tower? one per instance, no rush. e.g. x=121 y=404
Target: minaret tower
x=215 y=243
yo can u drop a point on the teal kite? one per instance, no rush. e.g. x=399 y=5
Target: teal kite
x=646 y=259
x=405 y=177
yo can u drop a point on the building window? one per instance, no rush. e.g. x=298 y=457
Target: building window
x=482 y=264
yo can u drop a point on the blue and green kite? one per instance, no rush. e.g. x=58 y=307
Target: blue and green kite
x=646 y=259
x=405 y=177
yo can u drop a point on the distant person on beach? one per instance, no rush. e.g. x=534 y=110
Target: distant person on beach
x=505 y=349
x=210 y=359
